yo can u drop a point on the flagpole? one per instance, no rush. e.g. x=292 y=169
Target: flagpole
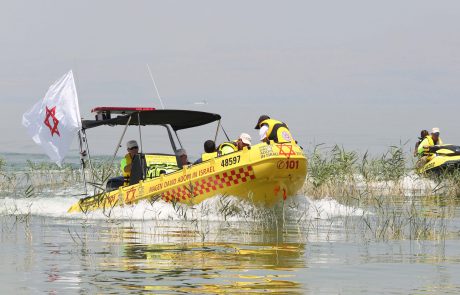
x=82 y=160
x=83 y=153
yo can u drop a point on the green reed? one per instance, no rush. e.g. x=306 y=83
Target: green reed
x=2 y=164
x=46 y=175
x=39 y=177
x=376 y=184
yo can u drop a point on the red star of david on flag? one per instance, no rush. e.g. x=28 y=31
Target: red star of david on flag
x=51 y=114
x=56 y=114
x=286 y=150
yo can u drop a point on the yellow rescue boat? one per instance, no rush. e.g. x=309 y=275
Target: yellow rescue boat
x=264 y=174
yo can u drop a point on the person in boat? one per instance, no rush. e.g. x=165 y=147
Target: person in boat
x=226 y=148
x=210 y=151
x=423 y=134
x=126 y=162
x=271 y=129
x=229 y=147
x=423 y=148
x=183 y=158
x=243 y=141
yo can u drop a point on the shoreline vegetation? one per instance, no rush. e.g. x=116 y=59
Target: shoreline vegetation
x=387 y=199
x=402 y=204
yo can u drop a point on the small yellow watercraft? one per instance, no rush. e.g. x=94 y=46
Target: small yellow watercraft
x=264 y=174
x=442 y=159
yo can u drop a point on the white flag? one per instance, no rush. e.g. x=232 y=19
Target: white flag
x=54 y=121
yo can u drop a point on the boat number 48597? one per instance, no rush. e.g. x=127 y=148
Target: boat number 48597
x=230 y=161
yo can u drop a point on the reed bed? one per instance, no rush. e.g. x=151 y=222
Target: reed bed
x=399 y=203
x=40 y=177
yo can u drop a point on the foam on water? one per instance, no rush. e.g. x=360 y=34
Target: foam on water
x=411 y=184
x=214 y=209
x=328 y=208
x=414 y=182
x=51 y=206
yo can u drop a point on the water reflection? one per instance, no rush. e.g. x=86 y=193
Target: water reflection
x=168 y=257
x=209 y=267
x=300 y=252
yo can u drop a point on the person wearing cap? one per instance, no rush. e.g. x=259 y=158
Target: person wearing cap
x=424 y=147
x=271 y=129
x=183 y=158
x=243 y=141
x=428 y=141
x=126 y=162
x=228 y=147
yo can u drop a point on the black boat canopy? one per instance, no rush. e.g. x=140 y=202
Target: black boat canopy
x=178 y=119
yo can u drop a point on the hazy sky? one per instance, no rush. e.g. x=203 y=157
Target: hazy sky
x=363 y=74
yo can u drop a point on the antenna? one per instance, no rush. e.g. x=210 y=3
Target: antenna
x=155 y=85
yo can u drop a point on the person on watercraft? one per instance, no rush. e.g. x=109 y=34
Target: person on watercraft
x=271 y=129
x=243 y=141
x=423 y=148
x=125 y=164
x=183 y=158
x=428 y=141
x=423 y=134
x=209 y=151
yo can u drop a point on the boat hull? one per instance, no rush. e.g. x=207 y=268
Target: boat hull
x=264 y=174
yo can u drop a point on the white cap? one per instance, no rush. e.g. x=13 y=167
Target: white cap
x=131 y=144
x=435 y=130
x=245 y=138
x=181 y=152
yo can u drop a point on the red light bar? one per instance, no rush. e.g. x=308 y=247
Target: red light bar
x=120 y=109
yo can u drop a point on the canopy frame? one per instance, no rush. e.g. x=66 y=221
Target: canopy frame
x=172 y=120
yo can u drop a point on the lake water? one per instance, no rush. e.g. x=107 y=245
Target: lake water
x=304 y=246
